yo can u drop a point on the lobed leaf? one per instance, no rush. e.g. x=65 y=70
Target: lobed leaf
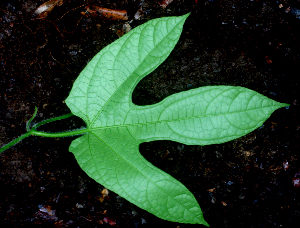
x=109 y=152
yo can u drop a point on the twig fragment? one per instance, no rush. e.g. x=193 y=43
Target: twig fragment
x=105 y=13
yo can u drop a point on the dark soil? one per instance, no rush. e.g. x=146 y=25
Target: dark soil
x=249 y=182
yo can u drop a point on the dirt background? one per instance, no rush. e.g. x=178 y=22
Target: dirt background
x=249 y=182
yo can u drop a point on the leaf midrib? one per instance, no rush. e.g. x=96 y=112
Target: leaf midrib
x=176 y=120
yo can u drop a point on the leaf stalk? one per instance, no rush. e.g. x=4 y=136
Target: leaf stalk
x=34 y=131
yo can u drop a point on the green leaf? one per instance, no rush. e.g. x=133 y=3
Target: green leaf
x=109 y=152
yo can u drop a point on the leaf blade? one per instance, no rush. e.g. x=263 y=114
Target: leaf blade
x=101 y=96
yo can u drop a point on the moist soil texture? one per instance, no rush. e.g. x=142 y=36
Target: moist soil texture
x=253 y=181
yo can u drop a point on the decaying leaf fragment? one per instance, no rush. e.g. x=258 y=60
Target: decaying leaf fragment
x=109 y=14
x=45 y=9
x=165 y=3
x=139 y=13
x=126 y=28
x=109 y=220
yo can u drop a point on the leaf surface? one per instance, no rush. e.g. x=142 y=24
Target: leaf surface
x=109 y=152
